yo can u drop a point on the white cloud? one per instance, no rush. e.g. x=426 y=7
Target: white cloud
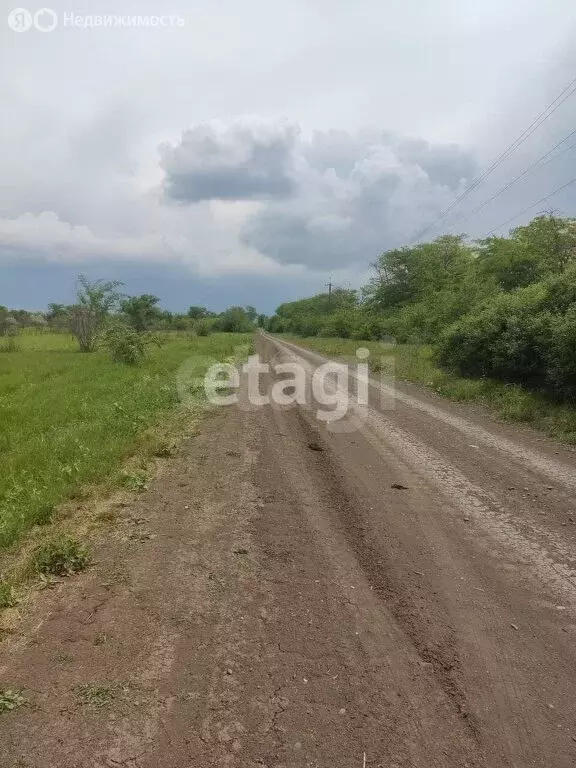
x=307 y=185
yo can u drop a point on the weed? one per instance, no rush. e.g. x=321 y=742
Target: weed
x=165 y=449
x=60 y=556
x=8 y=597
x=10 y=700
x=95 y=695
x=134 y=481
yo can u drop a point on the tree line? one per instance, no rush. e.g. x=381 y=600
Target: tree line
x=103 y=315
x=499 y=307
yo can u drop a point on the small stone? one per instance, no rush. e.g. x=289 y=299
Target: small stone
x=342 y=711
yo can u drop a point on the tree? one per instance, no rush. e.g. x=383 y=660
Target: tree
x=550 y=240
x=142 y=311
x=508 y=263
x=8 y=324
x=251 y=313
x=197 y=313
x=38 y=321
x=234 y=320
x=96 y=299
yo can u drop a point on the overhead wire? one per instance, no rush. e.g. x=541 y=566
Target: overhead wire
x=565 y=94
x=537 y=164
x=534 y=205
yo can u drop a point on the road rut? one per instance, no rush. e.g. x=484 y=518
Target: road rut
x=397 y=592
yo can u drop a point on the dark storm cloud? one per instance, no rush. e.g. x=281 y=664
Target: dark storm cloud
x=357 y=195
x=241 y=162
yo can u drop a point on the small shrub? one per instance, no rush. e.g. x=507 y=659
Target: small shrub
x=60 y=556
x=203 y=328
x=124 y=344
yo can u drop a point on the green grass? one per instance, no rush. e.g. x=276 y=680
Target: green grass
x=68 y=420
x=415 y=363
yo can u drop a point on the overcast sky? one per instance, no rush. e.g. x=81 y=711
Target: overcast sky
x=247 y=153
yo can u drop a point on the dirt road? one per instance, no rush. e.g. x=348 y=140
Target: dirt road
x=400 y=592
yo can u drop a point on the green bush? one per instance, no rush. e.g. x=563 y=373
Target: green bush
x=561 y=354
x=203 y=327
x=126 y=345
x=527 y=336
x=60 y=556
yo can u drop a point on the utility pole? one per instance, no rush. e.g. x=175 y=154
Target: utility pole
x=329 y=286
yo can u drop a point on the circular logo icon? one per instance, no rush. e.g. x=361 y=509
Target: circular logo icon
x=45 y=20
x=20 y=20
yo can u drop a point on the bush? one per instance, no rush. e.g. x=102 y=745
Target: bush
x=560 y=355
x=60 y=556
x=503 y=341
x=234 y=320
x=527 y=337
x=203 y=327
x=126 y=345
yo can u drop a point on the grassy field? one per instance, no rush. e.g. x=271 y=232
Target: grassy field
x=68 y=420
x=416 y=364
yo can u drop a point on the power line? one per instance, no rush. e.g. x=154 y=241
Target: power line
x=329 y=286
x=536 y=123
x=521 y=175
x=539 y=202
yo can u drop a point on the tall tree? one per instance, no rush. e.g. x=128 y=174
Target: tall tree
x=96 y=299
x=142 y=312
